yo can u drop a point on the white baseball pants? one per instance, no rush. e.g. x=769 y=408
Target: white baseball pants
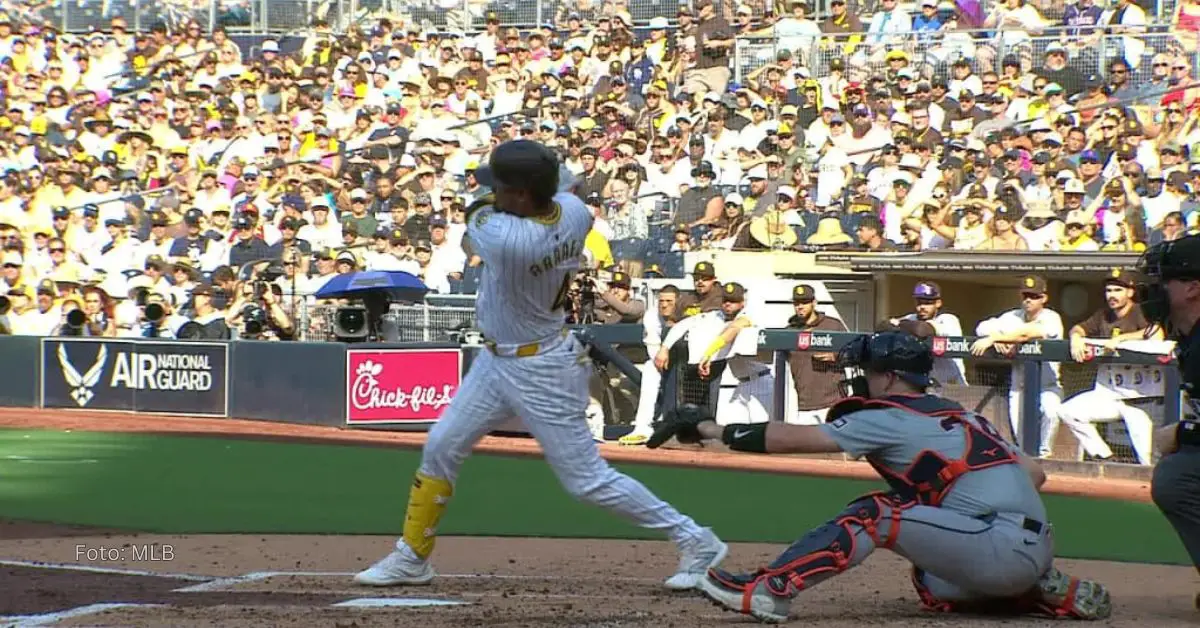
x=549 y=391
x=1100 y=405
x=1051 y=399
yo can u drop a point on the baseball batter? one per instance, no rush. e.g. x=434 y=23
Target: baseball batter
x=738 y=342
x=1120 y=320
x=963 y=507
x=530 y=239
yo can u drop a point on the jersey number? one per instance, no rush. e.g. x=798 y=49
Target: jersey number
x=562 y=300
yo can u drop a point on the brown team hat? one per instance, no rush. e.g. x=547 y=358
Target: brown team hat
x=1032 y=284
x=733 y=291
x=704 y=269
x=1119 y=277
x=653 y=271
x=620 y=280
x=803 y=293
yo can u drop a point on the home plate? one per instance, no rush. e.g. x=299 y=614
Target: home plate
x=392 y=602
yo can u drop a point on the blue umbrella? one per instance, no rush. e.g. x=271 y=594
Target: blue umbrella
x=394 y=284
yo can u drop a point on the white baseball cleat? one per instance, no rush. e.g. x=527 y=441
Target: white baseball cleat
x=695 y=561
x=396 y=568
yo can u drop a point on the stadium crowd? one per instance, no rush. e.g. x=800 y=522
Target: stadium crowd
x=177 y=168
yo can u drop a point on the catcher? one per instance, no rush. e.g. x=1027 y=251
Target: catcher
x=963 y=506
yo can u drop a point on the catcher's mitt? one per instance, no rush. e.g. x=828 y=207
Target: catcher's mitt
x=680 y=423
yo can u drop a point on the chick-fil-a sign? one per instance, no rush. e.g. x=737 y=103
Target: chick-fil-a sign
x=400 y=385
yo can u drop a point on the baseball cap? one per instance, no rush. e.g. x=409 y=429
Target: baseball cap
x=620 y=280
x=734 y=292
x=1074 y=186
x=704 y=269
x=347 y=256
x=803 y=293
x=1119 y=277
x=653 y=271
x=927 y=290
x=1033 y=284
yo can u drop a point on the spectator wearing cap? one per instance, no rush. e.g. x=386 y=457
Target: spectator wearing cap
x=45 y=314
x=816 y=376
x=289 y=227
x=928 y=307
x=702 y=203
x=714 y=39
x=1004 y=333
x=1157 y=199
x=397 y=256
x=843 y=32
x=1118 y=214
x=159 y=241
x=248 y=245
x=358 y=215
x=13 y=275
x=205 y=314
x=446 y=256
x=61 y=262
x=434 y=277
x=209 y=195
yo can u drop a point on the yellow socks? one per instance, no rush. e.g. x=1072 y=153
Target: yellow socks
x=426 y=504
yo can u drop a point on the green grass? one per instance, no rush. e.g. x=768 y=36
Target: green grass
x=178 y=484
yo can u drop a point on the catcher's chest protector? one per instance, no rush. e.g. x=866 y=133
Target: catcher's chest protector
x=930 y=476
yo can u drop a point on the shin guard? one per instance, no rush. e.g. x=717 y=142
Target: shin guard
x=834 y=547
x=426 y=504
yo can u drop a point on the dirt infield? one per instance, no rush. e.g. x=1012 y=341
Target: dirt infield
x=250 y=580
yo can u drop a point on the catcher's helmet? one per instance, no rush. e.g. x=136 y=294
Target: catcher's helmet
x=1176 y=259
x=897 y=351
x=522 y=164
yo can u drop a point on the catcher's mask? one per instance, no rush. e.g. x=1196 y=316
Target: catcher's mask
x=1176 y=259
x=896 y=352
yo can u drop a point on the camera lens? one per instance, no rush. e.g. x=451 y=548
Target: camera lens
x=351 y=321
x=155 y=312
x=76 y=318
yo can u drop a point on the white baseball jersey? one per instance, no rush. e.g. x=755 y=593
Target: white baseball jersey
x=528 y=266
x=701 y=329
x=945 y=370
x=1052 y=327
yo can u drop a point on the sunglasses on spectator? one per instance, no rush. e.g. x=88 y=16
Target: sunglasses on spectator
x=1162 y=65
x=58 y=250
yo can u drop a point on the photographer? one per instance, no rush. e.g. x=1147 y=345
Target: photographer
x=156 y=319
x=612 y=394
x=208 y=322
x=257 y=313
x=617 y=303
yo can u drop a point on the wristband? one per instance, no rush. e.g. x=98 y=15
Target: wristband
x=1187 y=432
x=751 y=437
x=714 y=347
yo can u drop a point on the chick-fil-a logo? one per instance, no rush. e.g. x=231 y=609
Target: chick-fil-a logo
x=400 y=385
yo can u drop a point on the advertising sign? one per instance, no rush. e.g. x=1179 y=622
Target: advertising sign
x=387 y=386
x=144 y=376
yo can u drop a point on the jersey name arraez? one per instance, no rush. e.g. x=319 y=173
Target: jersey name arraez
x=528 y=266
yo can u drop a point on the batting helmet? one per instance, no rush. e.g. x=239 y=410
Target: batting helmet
x=897 y=351
x=522 y=164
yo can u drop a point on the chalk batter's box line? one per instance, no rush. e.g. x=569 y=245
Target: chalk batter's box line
x=220 y=584
x=48 y=619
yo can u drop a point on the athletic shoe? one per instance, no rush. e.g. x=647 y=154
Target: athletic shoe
x=635 y=438
x=396 y=568
x=1074 y=597
x=746 y=594
x=696 y=559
